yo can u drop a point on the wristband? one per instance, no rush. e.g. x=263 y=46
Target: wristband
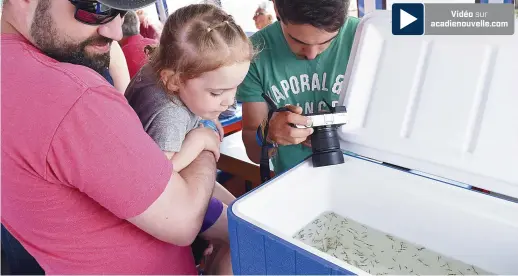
x=259 y=138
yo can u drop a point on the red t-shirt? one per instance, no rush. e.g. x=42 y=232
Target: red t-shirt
x=149 y=31
x=76 y=163
x=133 y=49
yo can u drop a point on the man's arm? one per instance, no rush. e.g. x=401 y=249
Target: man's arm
x=253 y=115
x=279 y=129
x=255 y=110
x=115 y=163
x=176 y=216
x=119 y=68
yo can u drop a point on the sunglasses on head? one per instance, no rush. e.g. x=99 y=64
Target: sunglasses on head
x=94 y=13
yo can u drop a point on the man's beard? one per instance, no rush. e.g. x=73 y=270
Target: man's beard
x=47 y=38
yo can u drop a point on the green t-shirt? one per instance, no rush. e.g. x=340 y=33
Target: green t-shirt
x=288 y=80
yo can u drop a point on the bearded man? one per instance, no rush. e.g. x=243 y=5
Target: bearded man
x=84 y=189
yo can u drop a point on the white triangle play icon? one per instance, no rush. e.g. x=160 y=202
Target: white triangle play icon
x=405 y=19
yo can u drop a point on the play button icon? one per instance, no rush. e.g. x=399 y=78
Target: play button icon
x=408 y=19
x=405 y=19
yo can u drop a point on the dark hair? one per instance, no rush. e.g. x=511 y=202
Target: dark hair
x=131 y=24
x=199 y=38
x=327 y=15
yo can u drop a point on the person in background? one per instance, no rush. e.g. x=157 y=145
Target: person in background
x=202 y=57
x=264 y=15
x=133 y=43
x=212 y=2
x=85 y=189
x=301 y=64
x=118 y=68
x=147 y=28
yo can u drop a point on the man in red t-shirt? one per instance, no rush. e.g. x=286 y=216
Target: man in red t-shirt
x=84 y=189
x=148 y=29
x=133 y=43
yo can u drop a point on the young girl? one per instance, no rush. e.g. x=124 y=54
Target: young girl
x=193 y=74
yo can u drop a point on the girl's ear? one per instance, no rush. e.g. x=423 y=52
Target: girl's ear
x=170 y=80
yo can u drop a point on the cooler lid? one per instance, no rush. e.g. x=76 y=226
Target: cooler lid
x=444 y=105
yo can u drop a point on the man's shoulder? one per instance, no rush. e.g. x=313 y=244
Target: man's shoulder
x=349 y=29
x=40 y=92
x=83 y=77
x=344 y=41
x=268 y=37
x=45 y=73
x=353 y=21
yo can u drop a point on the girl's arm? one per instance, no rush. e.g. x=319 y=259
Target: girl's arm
x=119 y=68
x=191 y=148
x=195 y=142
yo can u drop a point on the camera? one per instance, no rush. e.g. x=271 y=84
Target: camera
x=325 y=142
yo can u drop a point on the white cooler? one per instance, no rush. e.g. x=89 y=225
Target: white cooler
x=430 y=117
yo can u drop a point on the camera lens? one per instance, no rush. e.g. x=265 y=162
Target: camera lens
x=326 y=147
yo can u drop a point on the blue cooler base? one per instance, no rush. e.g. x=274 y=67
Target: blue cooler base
x=256 y=252
x=453 y=221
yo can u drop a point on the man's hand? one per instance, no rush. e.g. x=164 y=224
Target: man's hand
x=282 y=133
x=307 y=142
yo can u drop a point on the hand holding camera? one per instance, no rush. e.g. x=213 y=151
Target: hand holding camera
x=288 y=126
x=282 y=131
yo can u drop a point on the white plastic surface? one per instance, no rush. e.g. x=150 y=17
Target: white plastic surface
x=390 y=2
x=326 y=120
x=234 y=147
x=443 y=105
x=471 y=227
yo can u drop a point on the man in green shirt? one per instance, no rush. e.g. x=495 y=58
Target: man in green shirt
x=301 y=63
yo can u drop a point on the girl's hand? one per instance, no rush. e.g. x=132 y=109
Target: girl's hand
x=208 y=137
x=221 y=131
x=212 y=142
